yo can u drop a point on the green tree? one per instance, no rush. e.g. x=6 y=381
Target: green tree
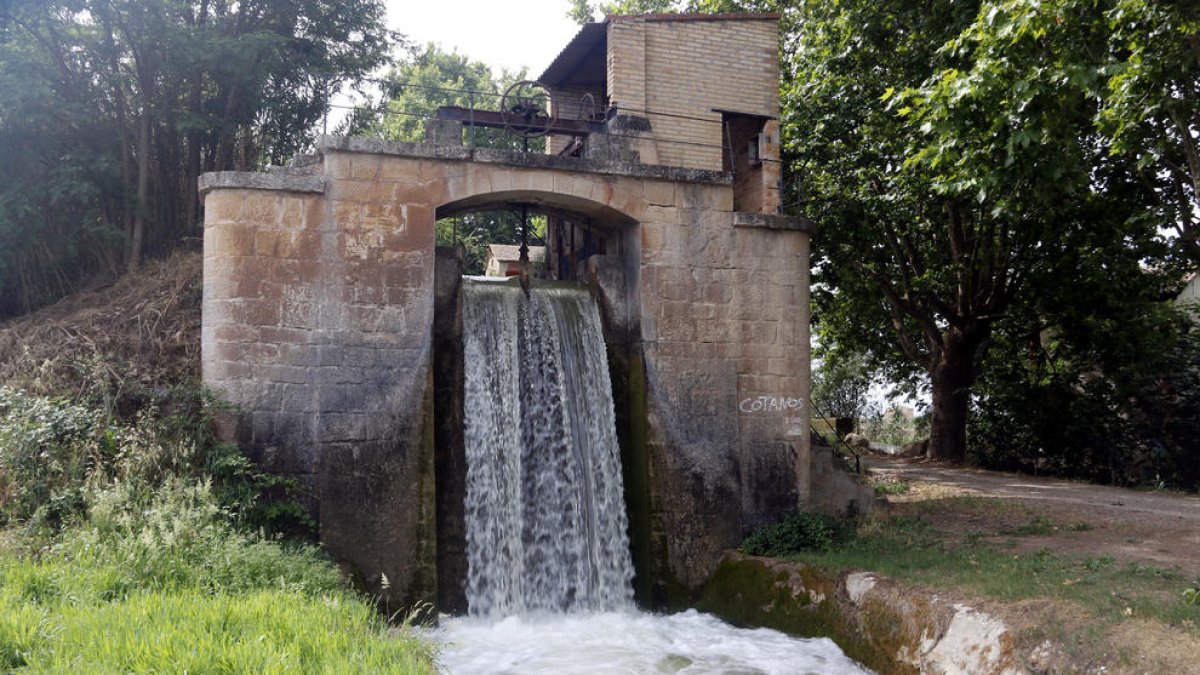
x=414 y=89
x=585 y=11
x=951 y=152
x=1152 y=107
x=841 y=382
x=982 y=170
x=111 y=109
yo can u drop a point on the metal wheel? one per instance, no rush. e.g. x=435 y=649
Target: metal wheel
x=528 y=109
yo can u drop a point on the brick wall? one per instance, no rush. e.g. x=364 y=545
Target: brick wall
x=678 y=71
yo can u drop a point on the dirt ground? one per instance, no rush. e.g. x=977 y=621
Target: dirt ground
x=1152 y=528
x=1158 y=529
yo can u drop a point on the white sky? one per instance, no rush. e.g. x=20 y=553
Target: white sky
x=501 y=34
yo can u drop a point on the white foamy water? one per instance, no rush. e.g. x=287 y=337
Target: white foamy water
x=545 y=510
x=631 y=642
x=549 y=575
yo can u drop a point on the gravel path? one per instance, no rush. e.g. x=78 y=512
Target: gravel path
x=1161 y=528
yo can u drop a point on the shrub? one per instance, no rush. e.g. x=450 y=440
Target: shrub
x=1102 y=411
x=799 y=531
x=179 y=536
x=52 y=451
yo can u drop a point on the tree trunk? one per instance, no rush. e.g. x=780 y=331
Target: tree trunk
x=951 y=376
x=143 y=192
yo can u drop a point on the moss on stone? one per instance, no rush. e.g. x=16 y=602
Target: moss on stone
x=806 y=602
x=629 y=395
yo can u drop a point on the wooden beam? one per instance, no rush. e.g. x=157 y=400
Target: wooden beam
x=495 y=120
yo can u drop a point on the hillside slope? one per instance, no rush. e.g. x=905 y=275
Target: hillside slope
x=125 y=344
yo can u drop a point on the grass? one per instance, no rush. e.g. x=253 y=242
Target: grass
x=131 y=537
x=1037 y=526
x=909 y=548
x=891 y=487
x=192 y=631
x=162 y=583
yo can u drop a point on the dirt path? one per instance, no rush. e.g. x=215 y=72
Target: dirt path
x=1154 y=528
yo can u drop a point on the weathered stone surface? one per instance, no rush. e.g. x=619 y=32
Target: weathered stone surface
x=773 y=222
x=322 y=321
x=833 y=489
x=886 y=627
x=261 y=181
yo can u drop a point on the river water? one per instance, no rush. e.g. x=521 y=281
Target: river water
x=549 y=582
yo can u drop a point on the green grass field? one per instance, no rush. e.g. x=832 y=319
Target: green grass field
x=171 y=587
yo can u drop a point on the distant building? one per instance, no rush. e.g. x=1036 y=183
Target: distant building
x=504 y=260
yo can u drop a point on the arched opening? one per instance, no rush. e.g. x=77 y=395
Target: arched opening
x=585 y=242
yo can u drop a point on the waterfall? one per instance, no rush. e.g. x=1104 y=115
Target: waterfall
x=545 y=514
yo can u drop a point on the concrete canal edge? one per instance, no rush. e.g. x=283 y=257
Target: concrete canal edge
x=884 y=626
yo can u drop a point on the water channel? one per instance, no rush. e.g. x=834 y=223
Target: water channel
x=549 y=581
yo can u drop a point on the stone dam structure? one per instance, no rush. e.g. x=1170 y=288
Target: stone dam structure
x=334 y=323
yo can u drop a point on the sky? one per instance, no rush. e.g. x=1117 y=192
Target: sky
x=499 y=33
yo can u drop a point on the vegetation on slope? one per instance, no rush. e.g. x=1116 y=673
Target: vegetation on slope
x=155 y=580
x=134 y=540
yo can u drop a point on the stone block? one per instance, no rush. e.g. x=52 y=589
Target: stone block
x=364 y=167
x=423 y=194
x=231 y=241
x=653 y=238
x=291 y=213
x=289 y=271
x=223 y=206
x=756 y=332
x=338 y=164
x=255 y=312
x=314 y=212
x=399 y=170
x=261 y=208
x=284 y=335
x=660 y=193
x=272 y=243
x=358 y=245
x=362 y=192
x=340 y=427
x=384 y=215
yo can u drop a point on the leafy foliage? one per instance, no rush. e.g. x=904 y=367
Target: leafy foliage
x=800 y=530
x=1152 y=108
x=431 y=78
x=55 y=453
x=841 y=383
x=1082 y=400
x=111 y=109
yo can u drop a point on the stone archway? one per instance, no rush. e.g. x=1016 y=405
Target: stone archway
x=319 y=313
x=611 y=277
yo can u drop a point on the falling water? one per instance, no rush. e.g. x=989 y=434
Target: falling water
x=546 y=524
x=549 y=581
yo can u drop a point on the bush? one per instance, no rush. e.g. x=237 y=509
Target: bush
x=1103 y=411
x=179 y=536
x=151 y=568
x=53 y=451
x=799 y=531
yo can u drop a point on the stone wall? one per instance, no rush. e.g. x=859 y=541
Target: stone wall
x=884 y=626
x=319 y=316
